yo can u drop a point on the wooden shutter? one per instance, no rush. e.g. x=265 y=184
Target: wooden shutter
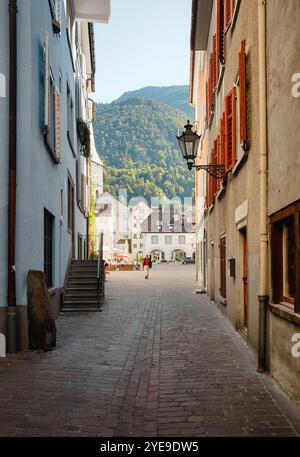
x=227 y=14
x=215 y=62
x=242 y=91
x=230 y=130
x=58 y=12
x=47 y=85
x=232 y=8
x=215 y=162
x=207 y=105
x=223 y=140
x=211 y=80
x=223 y=267
x=220 y=31
x=219 y=158
x=57 y=145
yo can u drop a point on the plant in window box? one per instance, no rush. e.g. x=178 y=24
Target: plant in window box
x=84 y=138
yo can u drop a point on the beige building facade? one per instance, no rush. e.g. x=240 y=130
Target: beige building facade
x=244 y=72
x=283 y=68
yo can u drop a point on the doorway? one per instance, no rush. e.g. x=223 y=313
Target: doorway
x=244 y=277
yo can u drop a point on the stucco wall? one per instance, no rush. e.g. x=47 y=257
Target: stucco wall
x=283 y=44
x=243 y=184
x=284 y=367
x=39 y=180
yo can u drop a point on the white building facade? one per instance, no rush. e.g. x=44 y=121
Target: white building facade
x=55 y=62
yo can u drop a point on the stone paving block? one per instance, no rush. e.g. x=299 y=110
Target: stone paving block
x=151 y=364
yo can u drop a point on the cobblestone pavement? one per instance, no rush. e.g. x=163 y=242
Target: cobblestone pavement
x=158 y=361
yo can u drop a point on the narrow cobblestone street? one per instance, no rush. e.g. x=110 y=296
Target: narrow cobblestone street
x=158 y=361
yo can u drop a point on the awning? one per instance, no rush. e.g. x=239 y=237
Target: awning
x=92 y=10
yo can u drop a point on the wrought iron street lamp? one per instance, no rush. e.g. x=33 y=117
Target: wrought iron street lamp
x=189 y=143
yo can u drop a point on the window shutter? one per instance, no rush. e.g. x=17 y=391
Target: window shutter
x=58 y=124
x=215 y=162
x=232 y=8
x=47 y=85
x=230 y=130
x=223 y=140
x=211 y=179
x=207 y=105
x=58 y=11
x=215 y=62
x=219 y=158
x=227 y=13
x=220 y=30
x=242 y=90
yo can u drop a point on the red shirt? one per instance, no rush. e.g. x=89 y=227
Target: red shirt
x=147 y=262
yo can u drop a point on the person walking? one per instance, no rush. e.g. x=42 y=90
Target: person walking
x=147 y=265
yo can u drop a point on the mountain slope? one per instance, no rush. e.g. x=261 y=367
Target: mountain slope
x=136 y=138
x=175 y=96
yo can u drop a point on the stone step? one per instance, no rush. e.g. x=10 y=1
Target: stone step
x=73 y=288
x=79 y=309
x=80 y=298
x=82 y=280
x=82 y=303
x=85 y=263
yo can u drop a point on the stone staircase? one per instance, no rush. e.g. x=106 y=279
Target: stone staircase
x=81 y=291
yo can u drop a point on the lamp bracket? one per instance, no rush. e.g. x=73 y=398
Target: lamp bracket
x=216 y=171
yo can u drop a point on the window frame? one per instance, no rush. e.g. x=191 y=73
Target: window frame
x=277 y=221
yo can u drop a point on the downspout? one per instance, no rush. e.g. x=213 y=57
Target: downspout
x=263 y=284
x=11 y=279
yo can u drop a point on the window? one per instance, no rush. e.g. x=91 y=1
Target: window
x=70 y=206
x=181 y=239
x=48 y=247
x=285 y=244
x=135 y=236
x=141 y=236
x=230 y=130
x=168 y=239
x=154 y=239
x=135 y=246
x=70 y=117
x=223 y=267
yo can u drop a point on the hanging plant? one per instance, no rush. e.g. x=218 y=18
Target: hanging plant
x=84 y=138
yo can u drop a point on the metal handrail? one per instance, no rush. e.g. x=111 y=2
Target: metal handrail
x=100 y=277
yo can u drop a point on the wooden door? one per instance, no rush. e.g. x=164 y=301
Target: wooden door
x=245 y=278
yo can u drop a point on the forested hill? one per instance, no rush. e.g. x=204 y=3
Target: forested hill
x=175 y=96
x=136 y=139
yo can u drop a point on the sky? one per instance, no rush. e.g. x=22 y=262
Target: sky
x=146 y=43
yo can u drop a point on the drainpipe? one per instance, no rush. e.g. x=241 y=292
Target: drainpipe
x=11 y=281
x=263 y=287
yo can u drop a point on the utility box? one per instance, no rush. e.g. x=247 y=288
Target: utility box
x=232 y=268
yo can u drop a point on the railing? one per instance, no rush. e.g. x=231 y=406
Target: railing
x=100 y=275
